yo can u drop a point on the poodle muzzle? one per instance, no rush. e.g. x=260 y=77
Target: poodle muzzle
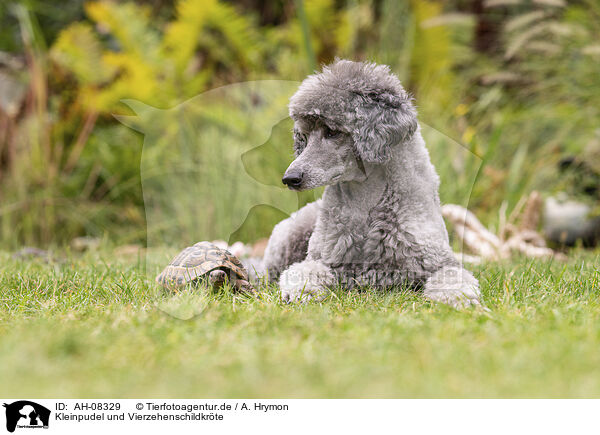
x=293 y=179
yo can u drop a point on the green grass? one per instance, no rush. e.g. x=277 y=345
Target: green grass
x=95 y=326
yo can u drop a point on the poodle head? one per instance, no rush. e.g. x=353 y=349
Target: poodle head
x=352 y=112
x=324 y=155
x=362 y=99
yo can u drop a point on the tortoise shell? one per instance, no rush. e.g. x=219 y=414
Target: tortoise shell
x=198 y=260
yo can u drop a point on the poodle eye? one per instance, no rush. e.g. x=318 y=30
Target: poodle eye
x=299 y=141
x=331 y=134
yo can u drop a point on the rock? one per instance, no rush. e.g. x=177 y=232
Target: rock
x=566 y=221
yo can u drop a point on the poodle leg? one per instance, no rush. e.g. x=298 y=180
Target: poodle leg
x=288 y=243
x=307 y=280
x=454 y=286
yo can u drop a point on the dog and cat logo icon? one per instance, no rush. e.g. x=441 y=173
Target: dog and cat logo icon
x=24 y=414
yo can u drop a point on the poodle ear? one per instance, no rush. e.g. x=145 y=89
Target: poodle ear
x=385 y=121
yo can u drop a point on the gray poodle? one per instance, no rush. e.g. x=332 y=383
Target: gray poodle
x=379 y=221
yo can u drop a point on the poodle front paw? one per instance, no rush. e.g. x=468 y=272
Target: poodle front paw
x=461 y=298
x=453 y=286
x=305 y=281
x=302 y=295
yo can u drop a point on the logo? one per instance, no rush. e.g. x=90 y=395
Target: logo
x=26 y=414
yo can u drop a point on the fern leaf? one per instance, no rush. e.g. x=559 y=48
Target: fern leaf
x=78 y=50
x=524 y=20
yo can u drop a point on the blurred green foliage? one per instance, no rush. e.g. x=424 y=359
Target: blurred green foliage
x=515 y=82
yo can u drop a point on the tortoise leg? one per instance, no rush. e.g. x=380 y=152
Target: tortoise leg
x=217 y=278
x=244 y=286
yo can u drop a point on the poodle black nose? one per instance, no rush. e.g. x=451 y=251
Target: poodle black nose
x=292 y=179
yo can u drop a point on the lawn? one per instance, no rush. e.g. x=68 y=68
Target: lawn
x=96 y=326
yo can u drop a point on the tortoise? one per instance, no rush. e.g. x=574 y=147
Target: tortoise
x=205 y=260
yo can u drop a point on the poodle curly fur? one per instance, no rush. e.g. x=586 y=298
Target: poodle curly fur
x=379 y=222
